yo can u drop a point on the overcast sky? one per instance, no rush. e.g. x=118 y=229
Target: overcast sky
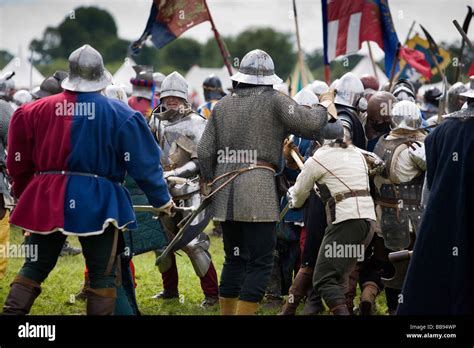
x=23 y=20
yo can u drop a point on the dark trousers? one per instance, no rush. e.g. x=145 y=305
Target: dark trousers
x=96 y=249
x=248 y=263
x=331 y=276
x=208 y=282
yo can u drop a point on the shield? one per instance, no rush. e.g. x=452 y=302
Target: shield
x=189 y=228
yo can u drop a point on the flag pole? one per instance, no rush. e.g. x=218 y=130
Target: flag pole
x=372 y=60
x=394 y=65
x=225 y=54
x=298 y=43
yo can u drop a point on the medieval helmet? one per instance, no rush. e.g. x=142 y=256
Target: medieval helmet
x=158 y=78
x=6 y=83
x=212 y=86
x=86 y=71
x=432 y=96
x=174 y=85
x=319 y=87
x=116 y=92
x=406 y=115
x=470 y=92
x=51 y=85
x=349 y=91
x=306 y=98
x=455 y=100
x=380 y=106
x=403 y=89
x=22 y=97
x=370 y=82
x=257 y=68
x=143 y=83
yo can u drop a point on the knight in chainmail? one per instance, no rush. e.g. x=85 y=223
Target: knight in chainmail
x=240 y=150
x=397 y=197
x=178 y=130
x=440 y=278
x=6 y=203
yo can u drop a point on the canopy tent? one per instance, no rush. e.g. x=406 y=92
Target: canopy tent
x=364 y=67
x=26 y=75
x=123 y=75
x=196 y=76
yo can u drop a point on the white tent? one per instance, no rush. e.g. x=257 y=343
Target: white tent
x=365 y=67
x=196 y=76
x=26 y=75
x=123 y=75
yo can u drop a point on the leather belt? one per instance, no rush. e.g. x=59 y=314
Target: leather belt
x=66 y=172
x=338 y=197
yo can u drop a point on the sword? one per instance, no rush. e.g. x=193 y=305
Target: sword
x=296 y=157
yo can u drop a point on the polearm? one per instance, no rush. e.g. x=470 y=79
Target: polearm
x=225 y=54
x=433 y=48
x=371 y=55
x=298 y=43
x=463 y=34
x=464 y=30
x=397 y=56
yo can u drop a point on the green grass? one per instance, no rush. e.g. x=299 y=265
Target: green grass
x=67 y=278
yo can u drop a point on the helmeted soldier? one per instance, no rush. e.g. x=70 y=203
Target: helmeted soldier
x=178 y=130
x=443 y=248
x=403 y=89
x=50 y=85
x=342 y=175
x=318 y=87
x=213 y=92
x=430 y=104
x=252 y=121
x=143 y=97
x=455 y=99
x=294 y=224
x=398 y=190
x=378 y=117
x=351 y=104
x=68 y=180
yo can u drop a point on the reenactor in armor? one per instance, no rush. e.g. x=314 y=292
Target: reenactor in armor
x=254 y=118
x=351 y=105
x=342 y=174
x=455 y=97
x=378 y=117
x=144 y=90
x=178 y=130
x=213 y=92
x=398 y=194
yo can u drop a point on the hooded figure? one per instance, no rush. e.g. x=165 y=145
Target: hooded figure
x=440 y=278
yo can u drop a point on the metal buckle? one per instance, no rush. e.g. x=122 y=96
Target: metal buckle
x=338 y=197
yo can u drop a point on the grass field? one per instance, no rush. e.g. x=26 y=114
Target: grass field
x=67 y=277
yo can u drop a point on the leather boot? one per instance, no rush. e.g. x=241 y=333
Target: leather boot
x=22 y=295
x=340 y=308
x=302 y=283
x=246 y=308
x=313 y=304
x=352 y=288
x=228 y=305
x=101 y=301
x=370 y=290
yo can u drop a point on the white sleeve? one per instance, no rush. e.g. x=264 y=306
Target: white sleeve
x=310 y=173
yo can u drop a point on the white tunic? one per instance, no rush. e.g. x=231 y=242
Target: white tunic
x=350 y=167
